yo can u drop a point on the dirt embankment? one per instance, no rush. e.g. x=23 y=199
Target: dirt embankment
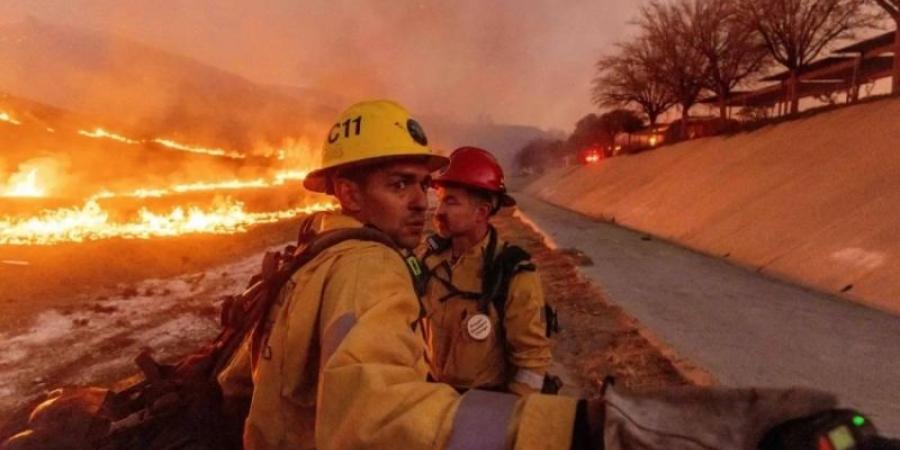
x=813 y=201
x=597 y=339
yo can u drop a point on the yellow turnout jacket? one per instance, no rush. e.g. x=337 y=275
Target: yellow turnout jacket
x=343 y=367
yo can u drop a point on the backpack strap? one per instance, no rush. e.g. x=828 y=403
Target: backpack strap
x=275 y=279
x=509 y=262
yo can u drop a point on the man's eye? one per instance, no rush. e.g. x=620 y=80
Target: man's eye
x=400 y=185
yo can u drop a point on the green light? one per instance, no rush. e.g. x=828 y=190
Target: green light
x=859 y=421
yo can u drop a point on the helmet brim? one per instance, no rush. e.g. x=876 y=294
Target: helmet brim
x=506 y=200
x=317 y=180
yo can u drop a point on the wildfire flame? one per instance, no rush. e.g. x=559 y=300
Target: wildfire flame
x=23 y=185
x=5 y=117
x=92 y=222
x=279 y=179
x=100 y=133
x=207 y=151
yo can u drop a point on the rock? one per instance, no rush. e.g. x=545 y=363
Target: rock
x=103 y=309
x=578 y=257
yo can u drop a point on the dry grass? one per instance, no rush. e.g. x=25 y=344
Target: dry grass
x=597 y=338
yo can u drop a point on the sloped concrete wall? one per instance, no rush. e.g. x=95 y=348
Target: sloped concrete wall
x=815 y=201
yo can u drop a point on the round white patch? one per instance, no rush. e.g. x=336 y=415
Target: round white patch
x=479 y=327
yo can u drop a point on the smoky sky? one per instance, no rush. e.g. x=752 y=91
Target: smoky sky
x=523 y=61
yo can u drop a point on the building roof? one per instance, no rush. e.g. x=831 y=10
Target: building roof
x=882 y=40
x=715 y=98
x=772 y=94
x=869 y=69
x=830 y=63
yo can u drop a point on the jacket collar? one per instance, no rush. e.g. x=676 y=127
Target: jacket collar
x=328 y=221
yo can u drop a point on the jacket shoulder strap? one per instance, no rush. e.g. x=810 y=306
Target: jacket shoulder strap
x=274 y=280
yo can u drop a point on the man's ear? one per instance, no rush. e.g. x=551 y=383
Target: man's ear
x=348 y=194
x=484 y=210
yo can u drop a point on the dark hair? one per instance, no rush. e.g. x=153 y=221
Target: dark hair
x=485 y=196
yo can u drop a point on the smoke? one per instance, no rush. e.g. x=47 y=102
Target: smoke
x=266 y=78
x=35 y=177
x=527 y=62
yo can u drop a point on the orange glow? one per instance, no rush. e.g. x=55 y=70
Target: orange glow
x=289 y=175
x=279 y=179
x=5 y=117
x=653 y=141
x=100 y=133
x=91 y=219
x=23 y=185
x=207 y=151
x=592 y=158
x=91 y=222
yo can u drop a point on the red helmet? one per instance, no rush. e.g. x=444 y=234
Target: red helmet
x=475 y=168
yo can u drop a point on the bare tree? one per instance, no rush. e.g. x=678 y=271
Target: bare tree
x=796 y=32
x=732 y=50
x=892 y=7
x=680 y=67
x=628 y=78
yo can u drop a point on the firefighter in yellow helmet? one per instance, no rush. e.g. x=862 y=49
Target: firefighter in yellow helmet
x=490 y=326
x=342 y=364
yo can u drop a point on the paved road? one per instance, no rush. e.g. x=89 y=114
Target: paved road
x=744 y=328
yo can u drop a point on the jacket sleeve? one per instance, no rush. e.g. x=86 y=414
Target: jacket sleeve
x=528 y=347
x=373 y=391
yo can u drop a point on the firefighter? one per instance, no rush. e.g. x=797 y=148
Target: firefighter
x=490 y=326
x=343 y=363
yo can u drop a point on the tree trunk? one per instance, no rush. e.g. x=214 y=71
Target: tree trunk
x=685 y=113
x=895 y=86
x=794 y=92
x=723 y=109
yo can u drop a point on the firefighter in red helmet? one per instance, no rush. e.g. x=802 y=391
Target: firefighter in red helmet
x=490 y=325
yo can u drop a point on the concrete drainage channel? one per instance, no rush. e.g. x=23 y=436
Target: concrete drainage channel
x=744 y=328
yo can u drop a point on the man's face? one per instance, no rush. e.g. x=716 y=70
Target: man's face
x=458 y=212
x=393 y=199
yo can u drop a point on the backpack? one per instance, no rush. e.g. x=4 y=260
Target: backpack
x=502 y=267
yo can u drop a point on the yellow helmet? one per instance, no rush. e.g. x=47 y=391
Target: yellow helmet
x=369 y=131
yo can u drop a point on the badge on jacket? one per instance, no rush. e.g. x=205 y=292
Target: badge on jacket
x=479 y=327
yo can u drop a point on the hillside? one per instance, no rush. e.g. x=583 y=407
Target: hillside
x=813 y=201
x=146 y=89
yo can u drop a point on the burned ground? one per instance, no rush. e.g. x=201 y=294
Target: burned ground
x=80 y=319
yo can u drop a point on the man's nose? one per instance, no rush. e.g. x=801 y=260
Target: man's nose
x=419 y=200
